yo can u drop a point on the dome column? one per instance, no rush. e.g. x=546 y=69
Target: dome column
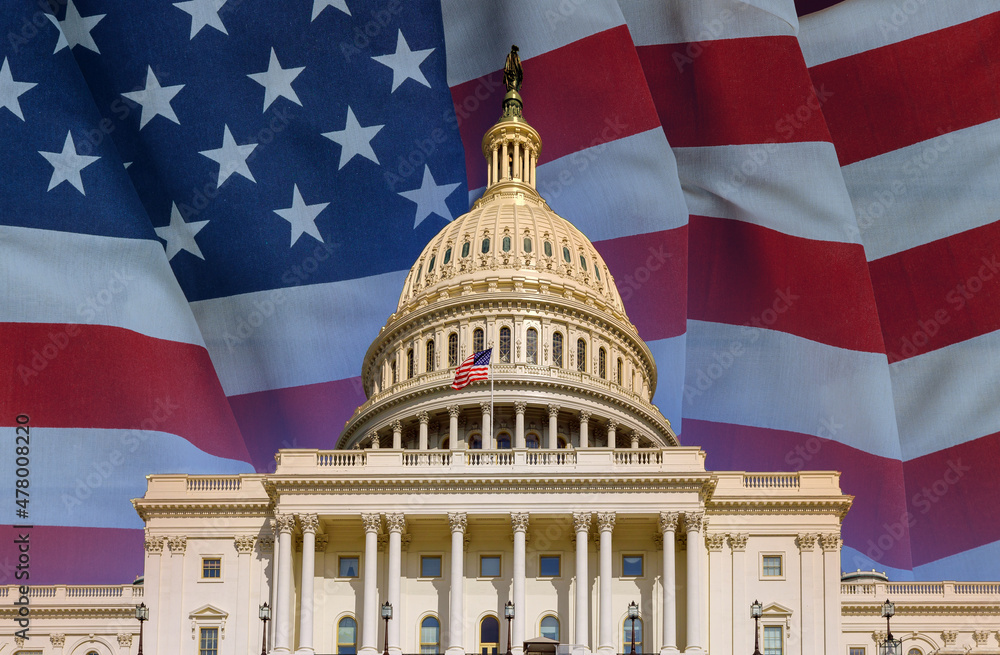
x=397 y=435
x=453 y=412
x=487 y=426
x=584 y=423
x=519 y=409
x=424 y=419
x=553 y=426
x=612 y=428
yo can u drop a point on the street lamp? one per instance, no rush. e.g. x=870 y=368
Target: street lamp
x=633 y=614
x=755 y=613
x=508 y=613
x=265 y=616
x=890 y=646
x=386 y=614
x=142 y=614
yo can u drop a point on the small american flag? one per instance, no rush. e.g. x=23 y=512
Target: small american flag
x=475 y=367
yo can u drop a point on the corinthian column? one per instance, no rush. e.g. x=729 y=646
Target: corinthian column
x=453 y=412
x=668 y=528
x=285 y=603
x=606 y=634
x=695 y=550
x=370 y=616
x=424 y=418
x=456 y=612
x=519 y=408
x=487 y=426
x=308 y=523
x=519 y=523
x=553 y=426
x=584 y=425
x=395 y=523
x=581 y=523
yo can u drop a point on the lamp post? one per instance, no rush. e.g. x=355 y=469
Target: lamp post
x=633 y=614
x=386 y=614
x=142 y=614
x=265 y=616
x=890 y=646
x=508 y=613
x=755 y=613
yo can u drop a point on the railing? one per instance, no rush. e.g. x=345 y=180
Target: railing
x=947 y=589
x=489 y=458
x=771 y=481
x=634 y=456
x=76 y=591
x=550 y=457
x=341 y=459
x=227 y=483
x=977 y=588
x=427 y=459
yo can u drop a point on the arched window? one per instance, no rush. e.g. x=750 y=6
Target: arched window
x=506 y=244
x=503 y=441
x=475 y=442
x=557 y=343
x=477 y=339
x=597 y=271
x=531 y=441
x=548 y=249
x=465 y=249
x=562 y=443
x=489 y=635
x=429 y=360
x=566 y=255
x=445 y=444
x=627 y=635
x=549 y=627
x=453 y=349
x=583 y=262
x=430 y=267
x=409 y=363
x=430 y=635
x=631 y=387
x=527 y=244
x=347 y=636
x=914 y=651
x=581 y=355
x=486 y=245
x=392 y=369
x=447 y=258
x=505 y=345
x=618 y=372
x=602 y=363
x=532 y=346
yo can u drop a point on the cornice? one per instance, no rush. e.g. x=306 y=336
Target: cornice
x=91 y=612
x=917 y=608
x=779 y=505
x=200 y=507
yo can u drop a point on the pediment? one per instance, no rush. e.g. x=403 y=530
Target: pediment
x=208 y=612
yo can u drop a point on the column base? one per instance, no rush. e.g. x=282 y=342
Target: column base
x=606 y=650
x=580 y=650
x=282 y=650
x=669 y=650
x=395 y=650
x=305 y=651
x=694 y=650
x=455 y=650
x=369 y=650
x=517 y=650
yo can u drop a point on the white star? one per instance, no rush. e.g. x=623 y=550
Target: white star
x=320 y=5
x=74 y=29
x=180 y=235
x=203 y=13
x=10 y=90
x=302 y=216
x=66 y=165
x=155 y=99
x=405 y=63
x=277 y=81
x=232 y=158
x=430 y=198
x=354 y=139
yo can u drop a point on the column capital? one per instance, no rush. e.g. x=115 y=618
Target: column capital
x=153 y=545
x=396 y=522
x=397 y=426
x=948 y=637
x=372 y=522
x=806 y=542
x=244 y=543
x=308 y=522
x=612 y=424
x=634 y=439
x=266 y=544
x=454 y=411
x=58 y=639
x=553 y=409
x=322 y=541
x=423 y=417
x=457 y=521
x=668 y=521
x=715 y=542
x=485 y=407
x=373 y=439
x=124 y=639
x=693 y=521
x=581 y=521
x=830 y=542
x=520 y=407
x=519 y=521
x=284 y=522
x=585 y=416
x=177 y=544
x=738 y=542
x=606 y=521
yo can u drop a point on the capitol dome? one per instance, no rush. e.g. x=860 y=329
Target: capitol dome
x=569 y=369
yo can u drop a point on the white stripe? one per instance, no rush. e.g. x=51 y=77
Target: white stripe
x=851 y=559
x=478 y=35
x=49 y=276
x=768 y=379
x=948 y=396
x=683 y=21
x=621 y=188
x=795 y=188
x=295 y=336
x=927 y=191
x=86 y=477
x=974 y=564
x=669 y=356
x=854 y=26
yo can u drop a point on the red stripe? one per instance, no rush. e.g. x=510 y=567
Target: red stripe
x=63 y=555
x=650 y=271
x=745 y=274
x=940 y=293
x=309 y=416
x=733 y=91
x=907 y=92
x=96 y=376
x=572 y=105
x=875 y=482
x=953 y=499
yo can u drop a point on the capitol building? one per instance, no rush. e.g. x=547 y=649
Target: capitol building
x=556 y=492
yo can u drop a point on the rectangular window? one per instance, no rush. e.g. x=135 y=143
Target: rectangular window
x=348 y=567
x=771 y=566
x=430 y=566
x=549 y=566
x=211 y=567
x=631 y=566
x=209 y=642
x=856 y=650
x=773 y=640
x=489 y=566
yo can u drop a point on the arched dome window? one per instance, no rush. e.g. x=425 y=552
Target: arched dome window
x=503 y=441
x=532 y=346
x=465 y=249
x=597 y=271
x=409 y=363
x=506 y=244
x=531 y=440
x=557 y=349
x=475 y=441
x=447 y=257
x=505 y=345
x=548 y=249
x=430 y=267
x=618 y=372
x=486 y=245
x=477 y=339
x=417 y=278
x=566 y=255
x=581 y=355
x=583 y=262
x=392 y=371
x=602 y=363
x=453 y=349
x=527 y=244
x=429 y=361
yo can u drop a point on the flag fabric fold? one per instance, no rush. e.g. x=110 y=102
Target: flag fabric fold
x=475 y=367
